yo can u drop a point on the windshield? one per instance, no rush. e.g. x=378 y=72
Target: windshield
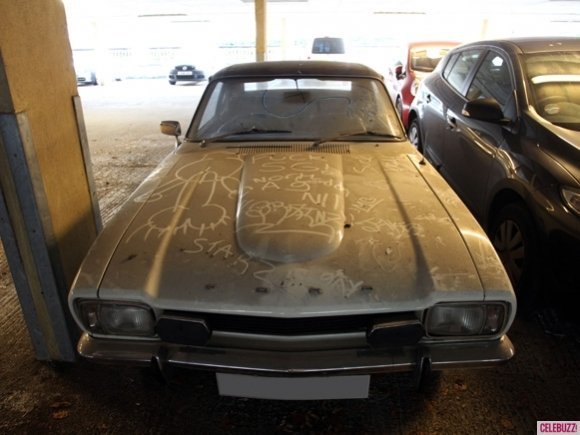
x=294 y=109
x=555 y=84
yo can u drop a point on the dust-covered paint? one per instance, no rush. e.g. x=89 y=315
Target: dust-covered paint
x=263 y=230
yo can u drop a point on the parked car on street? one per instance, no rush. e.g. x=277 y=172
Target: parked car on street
x=186 y=74
x=501 y=121
x=418 y=59
x=295 y=243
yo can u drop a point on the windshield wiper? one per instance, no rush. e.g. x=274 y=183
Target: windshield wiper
x=253 y=130
x=358 y=133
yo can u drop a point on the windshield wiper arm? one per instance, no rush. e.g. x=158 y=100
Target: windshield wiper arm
x=358 y=133
x=253 y=130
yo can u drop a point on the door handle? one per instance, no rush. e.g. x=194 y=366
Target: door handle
x=451 y=122
x=428 y=98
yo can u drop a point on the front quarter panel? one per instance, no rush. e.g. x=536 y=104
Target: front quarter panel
x=494 y=279
x=96 y=261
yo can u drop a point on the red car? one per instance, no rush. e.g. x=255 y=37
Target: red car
x=417 y=60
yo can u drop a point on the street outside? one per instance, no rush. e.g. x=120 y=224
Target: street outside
x=542 y=382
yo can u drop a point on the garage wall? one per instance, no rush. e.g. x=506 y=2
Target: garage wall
x=48 y=209
x=38 y=65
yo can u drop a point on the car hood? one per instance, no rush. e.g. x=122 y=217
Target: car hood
x=336 y=229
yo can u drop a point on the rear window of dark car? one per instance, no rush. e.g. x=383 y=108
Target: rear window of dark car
x=328 y=46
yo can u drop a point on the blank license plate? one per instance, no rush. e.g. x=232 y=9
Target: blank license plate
x=310 y=388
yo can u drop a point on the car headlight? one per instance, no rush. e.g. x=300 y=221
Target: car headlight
x=572 y=198
x=114 y=318
x=466 y=319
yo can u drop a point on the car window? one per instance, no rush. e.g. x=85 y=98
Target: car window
x=450 y=62
x=492 y=80
x=212 y=106
x=425 y=59
x=328 y=46
x=457 y=73
x=294 y=109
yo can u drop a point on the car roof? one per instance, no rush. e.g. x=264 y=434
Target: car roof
x=533 y=44
x=290 y=68
x=428 y=43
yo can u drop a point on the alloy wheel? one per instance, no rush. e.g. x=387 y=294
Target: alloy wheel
x=514 y=238
x=510 y=245
x=414 y=135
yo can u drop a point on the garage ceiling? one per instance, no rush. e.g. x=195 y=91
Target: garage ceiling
x=153 y=34
x=330 y=7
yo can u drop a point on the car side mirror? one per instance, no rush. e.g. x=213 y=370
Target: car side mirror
x=171 y=128
x=485 y=109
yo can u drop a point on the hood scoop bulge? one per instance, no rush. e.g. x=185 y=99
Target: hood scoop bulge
x=290 y=206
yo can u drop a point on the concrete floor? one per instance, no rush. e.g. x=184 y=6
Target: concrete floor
x=542 y=382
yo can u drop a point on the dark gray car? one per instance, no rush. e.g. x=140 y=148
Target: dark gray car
x=186 y=74
x=501 y=121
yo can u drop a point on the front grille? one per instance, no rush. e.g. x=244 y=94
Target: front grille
x=290 y=326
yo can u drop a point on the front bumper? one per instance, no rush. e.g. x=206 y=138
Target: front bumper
x=439 y=356
x=193 y=78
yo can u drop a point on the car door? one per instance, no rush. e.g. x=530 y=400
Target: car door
x=437 y=93
x=471 y=146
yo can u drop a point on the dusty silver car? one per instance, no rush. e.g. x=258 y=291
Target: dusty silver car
x=294 y=243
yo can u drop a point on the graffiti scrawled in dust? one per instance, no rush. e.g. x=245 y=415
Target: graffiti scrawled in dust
x=267 y=215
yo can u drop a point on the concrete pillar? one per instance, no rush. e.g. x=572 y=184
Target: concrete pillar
x=48 y=210
x=261 y=45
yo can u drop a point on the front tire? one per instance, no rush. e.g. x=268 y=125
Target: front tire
x=513 y=235
x=399 y=106
x=414 y=134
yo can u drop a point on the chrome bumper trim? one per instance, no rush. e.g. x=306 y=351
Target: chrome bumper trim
x=325 y=362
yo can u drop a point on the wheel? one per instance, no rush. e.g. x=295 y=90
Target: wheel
x=415 y=135
x=514 y=238
x=399 y=106
x=171 y=82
